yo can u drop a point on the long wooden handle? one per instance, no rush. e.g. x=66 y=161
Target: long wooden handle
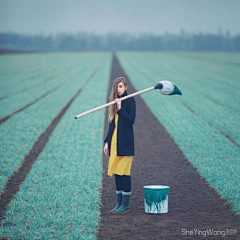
x=113 y=102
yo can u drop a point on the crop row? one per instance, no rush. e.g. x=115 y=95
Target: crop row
x=203 y=119
x=59 y=70
x=18 y=134
x=60 y=196
x=195 y=79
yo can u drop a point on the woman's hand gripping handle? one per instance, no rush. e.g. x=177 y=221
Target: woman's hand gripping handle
x=118 y=102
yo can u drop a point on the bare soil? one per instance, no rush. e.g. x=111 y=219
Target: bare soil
x=193 y=204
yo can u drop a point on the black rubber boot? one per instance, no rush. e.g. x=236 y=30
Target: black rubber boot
x=119 y=201
x=125 y=203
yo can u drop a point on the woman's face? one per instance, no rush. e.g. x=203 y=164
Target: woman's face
x=121 y=88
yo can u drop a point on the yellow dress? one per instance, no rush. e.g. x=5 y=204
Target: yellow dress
x=120 y=165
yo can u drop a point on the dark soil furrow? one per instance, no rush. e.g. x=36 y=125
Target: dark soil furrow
x=39 y=83
x=221 y=104
x=193 y=204
x=212 y=61
x=210 y=124
x=20 y=81
x=1 y=98
x=4 y=119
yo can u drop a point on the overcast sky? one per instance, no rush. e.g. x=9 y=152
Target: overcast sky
x=134 y=16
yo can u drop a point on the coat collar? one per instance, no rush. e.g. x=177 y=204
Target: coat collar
x=124 y=94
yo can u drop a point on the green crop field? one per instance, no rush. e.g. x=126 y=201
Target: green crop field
x=60 y=196
x=205 y=121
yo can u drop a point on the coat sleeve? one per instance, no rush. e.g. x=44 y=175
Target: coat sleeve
x=106 y=139
x=111 y=126
x=129 y=115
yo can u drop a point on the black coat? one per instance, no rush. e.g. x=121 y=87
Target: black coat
x=125 y=137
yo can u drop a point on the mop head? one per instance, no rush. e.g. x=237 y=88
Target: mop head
x=167 y=88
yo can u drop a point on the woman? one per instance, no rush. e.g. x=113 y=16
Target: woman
x=119 y=143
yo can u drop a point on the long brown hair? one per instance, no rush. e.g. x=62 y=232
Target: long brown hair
x=113 y=108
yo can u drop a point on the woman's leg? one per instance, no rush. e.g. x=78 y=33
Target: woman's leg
x=126 y=194
x=119 y=191
x=126 y=180
x=119 y=182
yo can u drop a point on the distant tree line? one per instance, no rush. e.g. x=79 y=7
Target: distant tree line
x=117 y=42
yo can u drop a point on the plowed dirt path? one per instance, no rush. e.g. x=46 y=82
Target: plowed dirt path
x=193 y=204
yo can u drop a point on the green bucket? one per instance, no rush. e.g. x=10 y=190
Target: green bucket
x=156 y=198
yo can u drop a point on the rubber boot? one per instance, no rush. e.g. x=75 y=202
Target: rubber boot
x=119 y=201
x=125 y=203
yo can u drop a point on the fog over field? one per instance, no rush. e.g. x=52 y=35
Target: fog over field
x=101 y=17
